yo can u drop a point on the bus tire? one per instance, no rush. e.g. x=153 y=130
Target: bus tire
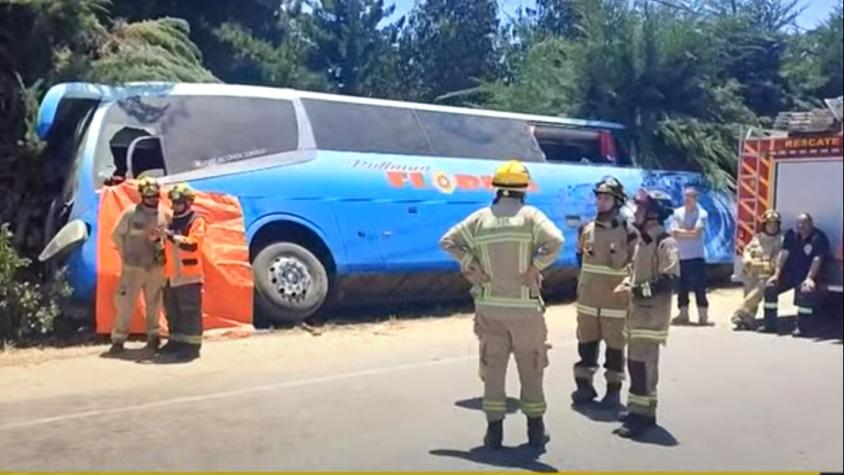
x=291 y=282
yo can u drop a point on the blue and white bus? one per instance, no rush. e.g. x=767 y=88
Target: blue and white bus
x=344 y=198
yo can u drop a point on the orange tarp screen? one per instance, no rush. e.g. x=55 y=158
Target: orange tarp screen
x=228 y=285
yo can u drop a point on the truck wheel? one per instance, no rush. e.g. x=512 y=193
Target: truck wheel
x=291 y=282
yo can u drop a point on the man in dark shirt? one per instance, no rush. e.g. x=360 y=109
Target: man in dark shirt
x=799 y=265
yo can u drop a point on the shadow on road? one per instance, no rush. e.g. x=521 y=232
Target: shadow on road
x=596 y=412
x=476 y=404
x=522 y=457
x=824 y=329
x=134 y=355
x=657 y=436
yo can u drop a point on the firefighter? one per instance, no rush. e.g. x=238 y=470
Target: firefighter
x=799 y=266
x=655 y=268
x=139 y=242
x=502 y=250
x=183 y=291
x=605 y=249
x=759 y=262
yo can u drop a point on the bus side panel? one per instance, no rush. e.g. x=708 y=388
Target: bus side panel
x=412 y=201
x=292 y=194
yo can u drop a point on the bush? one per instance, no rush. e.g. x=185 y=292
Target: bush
x=27 y=309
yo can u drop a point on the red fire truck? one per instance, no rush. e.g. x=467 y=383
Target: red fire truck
x=792 y=173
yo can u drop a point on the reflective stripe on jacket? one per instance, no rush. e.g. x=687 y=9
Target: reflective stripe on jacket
x=184 y=260
x=501 y=242
x=607 y=250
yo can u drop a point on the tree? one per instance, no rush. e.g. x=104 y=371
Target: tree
x=153 y=50
x=448 y=46
x=48 y=41
x=280 y=62
x=752 y=41
x=259 y=17
x=655 y=69
x=352 y=46
x=557 y=17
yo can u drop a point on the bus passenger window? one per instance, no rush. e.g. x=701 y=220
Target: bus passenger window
x=475 y=136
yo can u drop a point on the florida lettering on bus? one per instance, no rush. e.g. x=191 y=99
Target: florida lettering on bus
x=816 y=142
x=443 y=182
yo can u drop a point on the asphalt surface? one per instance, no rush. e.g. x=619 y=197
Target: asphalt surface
x=728 y=401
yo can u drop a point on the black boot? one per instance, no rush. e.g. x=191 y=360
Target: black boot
x=537 y=436
x=116 y=349
x=494 y=434
x=612 y=399
x=800 y=328
x=153 y=343
x=585 y=391
x=635 y=425
x=170 y=347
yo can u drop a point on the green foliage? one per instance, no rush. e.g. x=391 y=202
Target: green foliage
x=448 y=46
x=259 y=17
x=260 y=61
x=351 y=46
x=26 y=309
x=153 y=50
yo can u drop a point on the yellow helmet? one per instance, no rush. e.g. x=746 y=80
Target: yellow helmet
x=512 y=174
x=148 y=187
x=181 y=192
x=771 y=215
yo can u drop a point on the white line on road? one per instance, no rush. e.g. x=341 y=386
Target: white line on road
x=239 y=392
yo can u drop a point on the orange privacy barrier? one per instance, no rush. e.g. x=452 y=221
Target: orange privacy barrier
x=228 y=287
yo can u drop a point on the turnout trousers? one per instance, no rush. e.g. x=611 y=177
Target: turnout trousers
x=183 y=306
x=521 y=332
x=592 y=327
x=132 y=281
x=647 y=330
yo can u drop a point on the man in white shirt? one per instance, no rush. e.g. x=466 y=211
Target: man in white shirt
x=688 y=226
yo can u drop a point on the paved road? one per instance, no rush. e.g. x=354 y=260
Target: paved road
x=407 y=399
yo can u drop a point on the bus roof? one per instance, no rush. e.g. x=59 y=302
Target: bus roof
x=93 y=91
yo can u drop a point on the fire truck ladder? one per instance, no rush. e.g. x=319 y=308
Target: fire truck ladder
x=753 y=185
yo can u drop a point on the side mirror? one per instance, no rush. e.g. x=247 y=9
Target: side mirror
x=68 y=237
x=145 y=156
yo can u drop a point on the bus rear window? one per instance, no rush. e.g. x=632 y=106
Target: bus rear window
x=581 y=145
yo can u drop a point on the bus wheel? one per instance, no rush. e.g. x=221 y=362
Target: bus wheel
x=291 y=281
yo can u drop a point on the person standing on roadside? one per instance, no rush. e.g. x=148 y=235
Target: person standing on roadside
x=687 y=228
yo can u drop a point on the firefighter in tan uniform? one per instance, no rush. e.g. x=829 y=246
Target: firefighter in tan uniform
x=183 y=292
x=139 y=241
x=502 y=250
x=605 y=249
x=759 y=261
x=655 y=268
